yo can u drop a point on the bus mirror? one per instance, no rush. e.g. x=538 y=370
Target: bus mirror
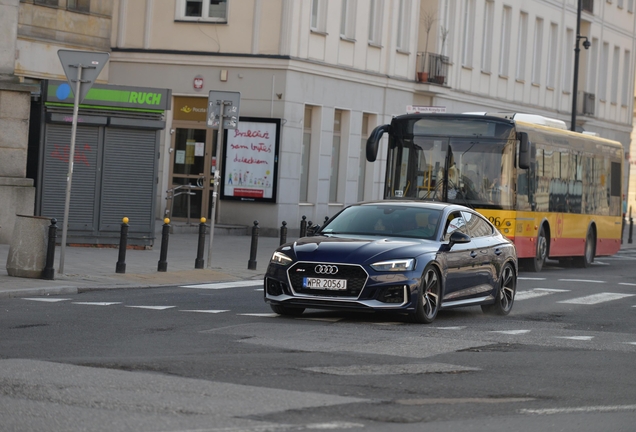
x=373 y=143
x=525 y=151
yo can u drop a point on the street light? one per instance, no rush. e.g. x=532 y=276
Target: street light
x=586 y=44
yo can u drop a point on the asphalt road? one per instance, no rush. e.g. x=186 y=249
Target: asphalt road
x=215 y=358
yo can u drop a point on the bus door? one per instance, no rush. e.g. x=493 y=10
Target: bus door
x=415 y=167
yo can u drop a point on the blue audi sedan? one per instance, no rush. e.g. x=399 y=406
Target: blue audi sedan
x=413 y=258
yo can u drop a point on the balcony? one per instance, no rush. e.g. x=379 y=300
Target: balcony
x=432 y=68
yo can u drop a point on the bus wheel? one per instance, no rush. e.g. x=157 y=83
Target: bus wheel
x=536 y=264
x=590 y=250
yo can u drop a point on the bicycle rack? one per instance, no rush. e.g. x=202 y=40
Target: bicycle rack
x=171 y=194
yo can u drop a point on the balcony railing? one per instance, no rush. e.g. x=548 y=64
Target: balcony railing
x=432 y=68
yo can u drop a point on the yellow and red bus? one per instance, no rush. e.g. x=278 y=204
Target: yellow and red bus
x=555 y=193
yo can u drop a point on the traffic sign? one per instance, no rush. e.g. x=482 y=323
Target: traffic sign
x=419 y=109
x=81 y=69
x=91 y=64
x=231 y=102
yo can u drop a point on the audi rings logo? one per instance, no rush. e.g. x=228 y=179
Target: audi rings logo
x=326 y=269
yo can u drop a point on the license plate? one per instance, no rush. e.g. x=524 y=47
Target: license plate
x=325 y=284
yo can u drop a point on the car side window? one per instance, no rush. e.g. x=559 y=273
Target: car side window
x=476 y=225
x=454 y=222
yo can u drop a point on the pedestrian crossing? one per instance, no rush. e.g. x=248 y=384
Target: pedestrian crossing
x=537 y=292
x=517 y=331
x=596 y=298
x=521 y=295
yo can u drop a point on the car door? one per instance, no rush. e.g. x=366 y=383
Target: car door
x=482 y=269
x=458 y=260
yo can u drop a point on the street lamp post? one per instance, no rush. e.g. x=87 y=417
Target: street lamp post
x=577 y=51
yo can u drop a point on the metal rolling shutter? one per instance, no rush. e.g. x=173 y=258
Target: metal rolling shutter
x=128 y=179
x=83 y=199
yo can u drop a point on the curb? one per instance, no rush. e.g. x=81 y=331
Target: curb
x=45 y=291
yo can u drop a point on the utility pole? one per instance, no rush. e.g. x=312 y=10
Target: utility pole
x=577 y=51
x=223 y=113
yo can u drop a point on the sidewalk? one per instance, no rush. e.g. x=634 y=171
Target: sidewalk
x=87 y=268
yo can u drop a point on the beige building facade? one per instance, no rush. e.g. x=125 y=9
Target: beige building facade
x=330 y=71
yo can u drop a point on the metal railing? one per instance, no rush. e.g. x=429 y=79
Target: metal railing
x=433 y=68
x=171 y=194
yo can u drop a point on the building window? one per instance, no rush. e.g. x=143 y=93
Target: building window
x=615 y=67
x=593 y=63
x=319 y=15
x=202 y=10
x=567 y=74
x=47 y=2
x=630 y=6
x=469 y=30
x=348 y=20
x=335 y=157
x=626 y=79
x=375 y=21
x=362 y=161
x=538 y=51
x=504 y=54
x=304 y=156
x=552 y=56
x=79 y=5
x=486 y=47
x=602 y=88
x=403 y=30
x=521 y=46
x=446 y=33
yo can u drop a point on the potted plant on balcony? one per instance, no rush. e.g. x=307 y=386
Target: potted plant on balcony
x=440 y=77
x=427 y=20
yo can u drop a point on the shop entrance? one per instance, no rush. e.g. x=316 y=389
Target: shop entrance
x=193 y=161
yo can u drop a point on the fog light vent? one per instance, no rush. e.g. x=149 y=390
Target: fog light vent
x=394 y=294
x=274 y=287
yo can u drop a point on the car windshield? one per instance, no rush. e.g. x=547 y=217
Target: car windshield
x=385 y=220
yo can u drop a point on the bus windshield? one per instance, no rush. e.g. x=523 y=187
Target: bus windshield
x=476 y=172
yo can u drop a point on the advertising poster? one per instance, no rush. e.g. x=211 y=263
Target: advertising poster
x=250 y=165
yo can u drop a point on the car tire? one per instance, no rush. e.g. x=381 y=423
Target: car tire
x=588 y=253
x=287 y=311
x=506 y=291
x=429 y=297
x=541 y=253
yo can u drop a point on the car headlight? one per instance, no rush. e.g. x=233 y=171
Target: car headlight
x=280 y=258
x=394 y=265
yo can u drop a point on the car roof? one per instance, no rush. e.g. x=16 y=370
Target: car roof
x=417 y=203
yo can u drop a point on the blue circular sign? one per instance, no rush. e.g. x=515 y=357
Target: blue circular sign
x=63 y=91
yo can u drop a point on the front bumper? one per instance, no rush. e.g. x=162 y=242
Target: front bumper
x=376 y=292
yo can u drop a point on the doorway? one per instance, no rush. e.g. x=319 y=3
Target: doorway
x=193 y=160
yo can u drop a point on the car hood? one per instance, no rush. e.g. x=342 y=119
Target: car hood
x=358 y=250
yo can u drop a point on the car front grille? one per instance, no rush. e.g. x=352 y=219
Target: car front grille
x=354 y=274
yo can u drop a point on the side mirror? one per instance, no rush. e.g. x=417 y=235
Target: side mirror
x=373 y=142
x=458 y=238
x=526 y=151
